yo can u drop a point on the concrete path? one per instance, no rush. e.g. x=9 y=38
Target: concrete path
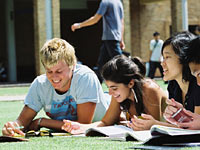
x=2 y=85
x=12 y=98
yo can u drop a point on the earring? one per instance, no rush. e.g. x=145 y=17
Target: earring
x=136 y=100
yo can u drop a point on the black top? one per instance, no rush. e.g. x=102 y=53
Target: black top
x=192 y=97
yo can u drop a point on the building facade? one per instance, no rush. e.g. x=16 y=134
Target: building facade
x=26 y=24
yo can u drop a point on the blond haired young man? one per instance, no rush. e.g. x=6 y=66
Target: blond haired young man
x=67 y=91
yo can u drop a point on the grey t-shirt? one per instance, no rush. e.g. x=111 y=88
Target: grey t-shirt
x=112 y=12
x=84 y=88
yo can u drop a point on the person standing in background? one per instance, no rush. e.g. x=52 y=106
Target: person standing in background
x=155 y=55
x=113 y=29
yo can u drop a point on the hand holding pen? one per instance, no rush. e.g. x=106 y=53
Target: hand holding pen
x=143 y=122
x=10 y=128
x=172 y=107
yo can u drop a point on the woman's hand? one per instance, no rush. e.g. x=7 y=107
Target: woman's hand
x=145 y=123
x=10 y=128
x=172 y=107
x=73 y=127
x=192 y=125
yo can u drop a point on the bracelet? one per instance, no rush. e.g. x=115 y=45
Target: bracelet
x=39 y=121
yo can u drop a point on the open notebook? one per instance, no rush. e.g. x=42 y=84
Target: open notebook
x=157 y=135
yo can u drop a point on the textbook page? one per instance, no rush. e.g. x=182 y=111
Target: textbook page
x=119 y=132
x=160 y=130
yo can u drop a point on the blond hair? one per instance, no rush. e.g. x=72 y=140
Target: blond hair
x=55 y=50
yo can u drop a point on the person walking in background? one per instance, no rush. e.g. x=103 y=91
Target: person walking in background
x=155 y=55
x=113 y=30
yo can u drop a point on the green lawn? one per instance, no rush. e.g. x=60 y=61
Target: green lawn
x=10 y=110
x=66 y=143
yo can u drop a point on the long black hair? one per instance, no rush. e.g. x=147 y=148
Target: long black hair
x=179 y=42
x=192 y=55
x=122 y=69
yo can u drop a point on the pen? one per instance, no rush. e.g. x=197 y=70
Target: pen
x=20 y=127
x=126 y=121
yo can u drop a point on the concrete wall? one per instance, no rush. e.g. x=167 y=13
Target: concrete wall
x=145 y=19
x=150 y=17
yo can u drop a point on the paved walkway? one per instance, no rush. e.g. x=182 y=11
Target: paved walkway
x=12 y=98
x=2 y=85
x=15 y=97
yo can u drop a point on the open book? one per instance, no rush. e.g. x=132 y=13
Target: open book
x=119 y=132
x=157 y=135
x=162 y=135
x=32 y=133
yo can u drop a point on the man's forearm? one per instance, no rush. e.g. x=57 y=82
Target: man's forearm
x=51 y=124
x=92 y=20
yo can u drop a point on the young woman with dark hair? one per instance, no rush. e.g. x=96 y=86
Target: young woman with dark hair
x=182 y=85
x=192 y=57
x=131 y=93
